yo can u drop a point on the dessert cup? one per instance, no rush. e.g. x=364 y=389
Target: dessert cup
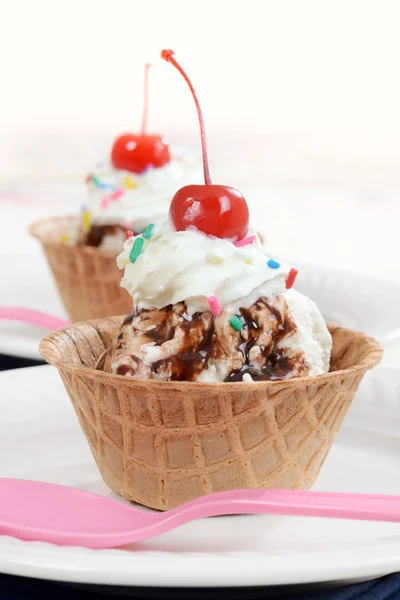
x=87 y=278
x=161 y=443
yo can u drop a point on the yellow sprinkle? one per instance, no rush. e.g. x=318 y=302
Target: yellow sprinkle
x=130 y=184
x=64 y=239
x=87 y=221
x=213 y=258
x=249 y=261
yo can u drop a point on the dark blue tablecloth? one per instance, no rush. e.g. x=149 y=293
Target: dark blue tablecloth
x=8 y=362
x=19 y=588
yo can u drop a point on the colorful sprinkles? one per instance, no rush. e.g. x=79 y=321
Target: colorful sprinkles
x=129 y=183
x=273 y=264
x=117 y=194
x=214 y=305
x=148 y=232
x=236 y=323
x=136 y=249
x=101 y=184
x=139 y=242
x=246 y=241
x=65 y=238
x=291 y=278
x=86 y=221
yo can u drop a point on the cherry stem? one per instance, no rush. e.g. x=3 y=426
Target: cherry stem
x=168 y=55
x=145 y=112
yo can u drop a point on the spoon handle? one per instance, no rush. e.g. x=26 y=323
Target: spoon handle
x=32 y=317
x=365 y=507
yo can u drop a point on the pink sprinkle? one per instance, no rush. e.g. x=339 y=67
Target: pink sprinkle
x=117 y=194
x=114 y=196
x=246 y=241
x=127 y=224
x=214 y=305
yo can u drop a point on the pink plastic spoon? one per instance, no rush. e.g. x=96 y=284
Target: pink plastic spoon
x=31 y=510
x=31 y=317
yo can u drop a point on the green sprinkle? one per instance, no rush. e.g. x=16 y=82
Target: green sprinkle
x=236 y=323
x=148 y=232
x=136 y=249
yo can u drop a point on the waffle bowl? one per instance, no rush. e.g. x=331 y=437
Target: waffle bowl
x=87 y=278
x=161 y=444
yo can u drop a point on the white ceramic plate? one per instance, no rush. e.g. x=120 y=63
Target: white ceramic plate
x=348 y=299
x=27 y=282
x=41 y=439
x=356 y=301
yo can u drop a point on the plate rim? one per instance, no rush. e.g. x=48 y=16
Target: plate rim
x=232 y=571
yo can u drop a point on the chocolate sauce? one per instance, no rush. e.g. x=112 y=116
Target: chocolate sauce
x=277 y=313
x=288 y=327
x=97 y=233
x=276 y=365
x=125 y=369
x=164 y=331
x=197 y=342
x=253 y=328
x=128 y=319
x=238 y=375
x=181 y=367
x=194 y=351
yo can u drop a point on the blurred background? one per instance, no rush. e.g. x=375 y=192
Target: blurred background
x=300 y=99
x=301 y=103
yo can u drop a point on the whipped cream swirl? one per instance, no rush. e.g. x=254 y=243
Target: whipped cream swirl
x=116 y=196
x=189 y=266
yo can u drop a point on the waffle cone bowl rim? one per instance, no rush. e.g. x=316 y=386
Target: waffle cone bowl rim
x=369 y=361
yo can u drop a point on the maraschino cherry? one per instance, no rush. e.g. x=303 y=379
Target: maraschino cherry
x=216 y=210
x=136 y=153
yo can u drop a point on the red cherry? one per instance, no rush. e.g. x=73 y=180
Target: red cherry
x=137 y=152
x=216 y=210
x=213 y=209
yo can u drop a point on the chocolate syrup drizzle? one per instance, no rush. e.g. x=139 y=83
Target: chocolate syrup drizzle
x=97 y=233
x=190 y=361
x=276 y=366
x=199 y=342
